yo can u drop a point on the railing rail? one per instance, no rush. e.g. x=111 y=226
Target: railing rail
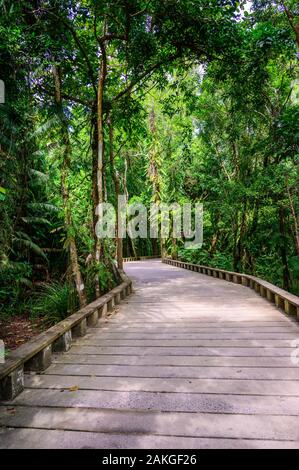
x=140 y=258
x=287 y=302
x=36 y=355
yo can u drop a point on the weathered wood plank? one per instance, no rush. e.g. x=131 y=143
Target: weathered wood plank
x=275 y=373
x=173 y=384
x=54 y=439
x=157 y=423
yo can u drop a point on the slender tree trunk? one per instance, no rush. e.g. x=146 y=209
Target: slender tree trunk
x=236 y=158
x=250 y=235
x=283 y=249
x=115 y=177
x=98 y=248
x=94 y=148
x=235 y=235
x=67 y=151
x=295 y=220
x=215 y=236
x=155 y=248
x=95 y=195
x=239 y=239
x=129 y=242
x=174 y=248
x=154 y=172
x=133 y=248
x=292 y=21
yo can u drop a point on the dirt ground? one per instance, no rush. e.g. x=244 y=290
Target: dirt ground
x=17 y=330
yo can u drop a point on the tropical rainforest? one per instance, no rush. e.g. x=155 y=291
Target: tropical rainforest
x=161 y=101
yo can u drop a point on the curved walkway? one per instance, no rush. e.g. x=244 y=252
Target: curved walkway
x=187 y=361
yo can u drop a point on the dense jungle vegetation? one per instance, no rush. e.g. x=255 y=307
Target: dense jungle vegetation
x=159 y=100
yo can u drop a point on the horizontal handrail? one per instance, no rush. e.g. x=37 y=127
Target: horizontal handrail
x=36 y=354
x=140 y=258
x=284 y=300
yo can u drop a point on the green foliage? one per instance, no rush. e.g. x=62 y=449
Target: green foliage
x=203 y=100
x=14 y=280
x=203 y=257
x=54 y=302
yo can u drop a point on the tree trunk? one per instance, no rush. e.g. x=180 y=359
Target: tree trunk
x=94 y=149
x=98 y=248
x=239 y=239
x=249 y=260
x=154 y=173
x=115 y=177
x=295 y=220
x=292 y=21
x=75 y=267
x=283 y=249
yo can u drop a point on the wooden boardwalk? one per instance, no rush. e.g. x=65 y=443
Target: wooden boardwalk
x=187 y=361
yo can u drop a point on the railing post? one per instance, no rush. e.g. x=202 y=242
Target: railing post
x=12 y=384
x=63 y=343
x=41 y=361
x=110 y=305
x=279 y=302
x=92 y=320
x=102 y=311
x=270 y=296
x=263 y=291
x=80 y=329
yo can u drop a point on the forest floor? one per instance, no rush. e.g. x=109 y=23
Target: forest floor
x=19 y=329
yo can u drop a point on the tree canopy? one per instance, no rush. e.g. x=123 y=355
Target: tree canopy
x=159 y=100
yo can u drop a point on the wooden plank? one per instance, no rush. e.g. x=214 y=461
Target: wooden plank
x=162 y=401
x=156 y=423
x=180 y=361
x=54 y=439
x=172 y=384
x=274 y=373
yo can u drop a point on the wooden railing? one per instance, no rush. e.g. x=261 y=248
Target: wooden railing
x=140 y=258
x=287 y=302
x=36 y=355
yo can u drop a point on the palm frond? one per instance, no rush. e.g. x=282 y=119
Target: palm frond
x=29 y=244
x=42 y=206
x=39 y=174
x=44 y=127
x=35 y=220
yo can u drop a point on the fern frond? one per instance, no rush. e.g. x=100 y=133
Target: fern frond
x=35 y=220
x=29 y=244
x=43 y=206
x=39 y=174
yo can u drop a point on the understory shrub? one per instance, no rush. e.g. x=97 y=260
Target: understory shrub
x=55 y=302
